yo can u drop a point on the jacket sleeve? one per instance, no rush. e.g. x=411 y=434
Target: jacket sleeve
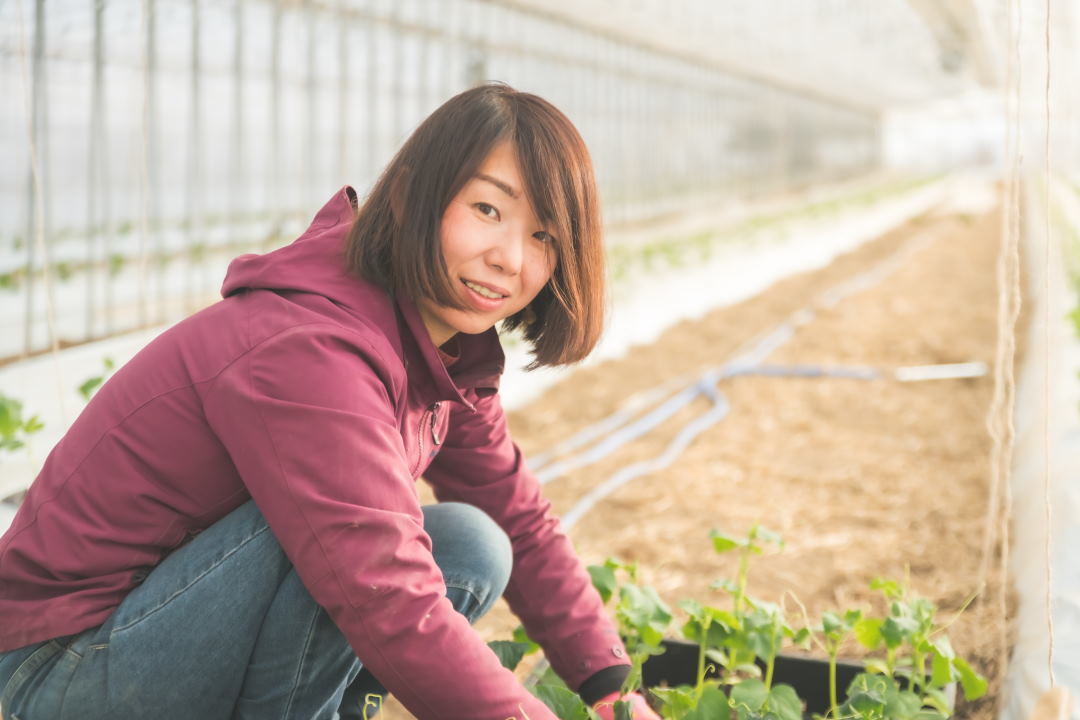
x=549 y=589
x=308 y=419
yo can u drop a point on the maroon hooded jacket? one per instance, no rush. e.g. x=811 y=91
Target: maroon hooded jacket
x=323 y=399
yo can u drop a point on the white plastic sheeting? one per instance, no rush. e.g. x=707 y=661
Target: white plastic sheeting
x=1046 y=454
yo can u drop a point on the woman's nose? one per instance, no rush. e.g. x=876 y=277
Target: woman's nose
x=507 y=253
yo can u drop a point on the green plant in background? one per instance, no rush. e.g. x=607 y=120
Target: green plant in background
x=14 y=428
x=741 y=645
x=91 y=384
x=550 y=689
x=116 y=264
x=834 y=629
x=911 y=638
x=642 y=616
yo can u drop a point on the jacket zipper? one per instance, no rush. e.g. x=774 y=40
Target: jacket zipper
x=434 y=422
x=433 y=410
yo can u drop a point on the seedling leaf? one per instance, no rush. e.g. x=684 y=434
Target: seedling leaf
x=751 y=693
x=87 y=388
x=508 y=652
x=868 y=632
x=876 y=666
x=603 y=579
x=520 y=636
x=901 y=704
x=801 y=637
x=562 y=701
x=717 y=656
x=936 y=698
x=831 y=624
x=724 y=543
x=748 y=669
x=713 y=704
x=942 y=646
x=891 y=588
x=973 y=683
x=941 y=670
x=677 y=701
x=785 y=703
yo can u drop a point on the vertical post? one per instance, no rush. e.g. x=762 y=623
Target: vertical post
x=424 y=95
x=196 y=245
x=311 y=97
x=38 y=164
x=275 y=126
x=451 y=50
x=344 y=25
x=154 y=221
x=150 y=216
x=373 y=99
x=94 y=175
x=237 y=204
x=397 y=75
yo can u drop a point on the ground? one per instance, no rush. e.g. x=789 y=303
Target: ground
x=862 y=478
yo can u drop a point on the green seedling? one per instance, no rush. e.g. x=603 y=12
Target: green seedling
x=910 y=626
x=909 y=683
x=89 y=386
x=14 y=428
x=551 y=690
x=753 y=544
x=753 y=701
x=643 y=618
x=834 y=630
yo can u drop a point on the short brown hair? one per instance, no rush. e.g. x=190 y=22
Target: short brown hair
x=395 y=239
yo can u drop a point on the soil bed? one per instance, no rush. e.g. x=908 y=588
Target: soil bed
x=863 y=479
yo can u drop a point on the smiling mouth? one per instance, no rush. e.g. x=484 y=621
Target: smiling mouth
x=483 y=291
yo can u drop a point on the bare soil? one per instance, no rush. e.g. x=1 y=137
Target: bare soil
x=863 y=479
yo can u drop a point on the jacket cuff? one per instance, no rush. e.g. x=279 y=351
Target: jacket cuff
x=603 y=683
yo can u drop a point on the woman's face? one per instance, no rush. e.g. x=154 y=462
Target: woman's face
x=496 y=251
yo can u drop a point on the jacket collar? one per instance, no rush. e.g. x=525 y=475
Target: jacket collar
x=479 y=366
x=315 y=263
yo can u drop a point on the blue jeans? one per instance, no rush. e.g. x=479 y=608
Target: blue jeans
x=223 y=629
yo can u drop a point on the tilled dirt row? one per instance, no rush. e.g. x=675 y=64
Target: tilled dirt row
x=862 y=478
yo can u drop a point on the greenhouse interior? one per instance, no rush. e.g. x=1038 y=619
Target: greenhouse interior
x=839 y=370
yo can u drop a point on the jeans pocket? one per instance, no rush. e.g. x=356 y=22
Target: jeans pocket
x=28 y=689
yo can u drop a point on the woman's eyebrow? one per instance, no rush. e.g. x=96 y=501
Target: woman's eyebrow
x=505 y=187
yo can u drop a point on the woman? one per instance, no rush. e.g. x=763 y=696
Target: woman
x=232 y=522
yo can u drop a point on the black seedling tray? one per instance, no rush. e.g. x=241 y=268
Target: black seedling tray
x=809 y=676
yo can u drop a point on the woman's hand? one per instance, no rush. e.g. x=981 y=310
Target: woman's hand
x=639 y=709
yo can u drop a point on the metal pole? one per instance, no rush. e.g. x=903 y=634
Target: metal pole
x=194 y=168
x=451 y=48
x=311 y=93
x=397 y=76
x=344 y=25
x=237 y=205
x=94 y=173
x=275 y=126
x=424 y=87
x=149 y=190
x=38 y=138
x=373 y=100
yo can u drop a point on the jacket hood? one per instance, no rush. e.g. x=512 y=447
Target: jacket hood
x=315 y=263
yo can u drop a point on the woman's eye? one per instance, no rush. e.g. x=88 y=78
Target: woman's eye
x=490 y=210
x=543 y=237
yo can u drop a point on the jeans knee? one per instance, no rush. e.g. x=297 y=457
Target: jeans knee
x=471 y=550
